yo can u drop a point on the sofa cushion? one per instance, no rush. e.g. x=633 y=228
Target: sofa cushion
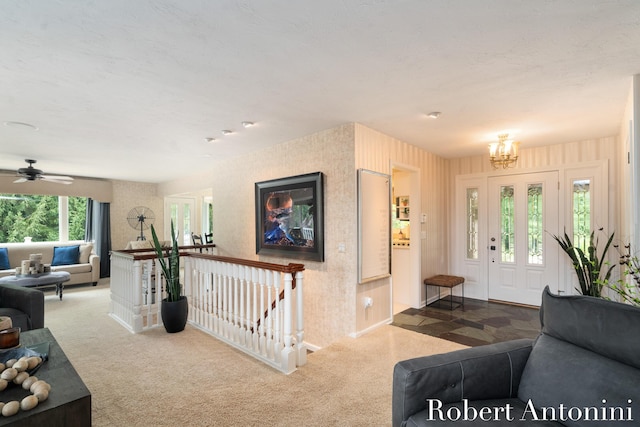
x=85 y=252
x=4 y=259
x=65 y=255
x=598 y=325
x=73 y=268
x=560 y=373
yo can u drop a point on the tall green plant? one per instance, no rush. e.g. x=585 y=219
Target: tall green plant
x=593 y=270
x=170 y=266
x=630 y=265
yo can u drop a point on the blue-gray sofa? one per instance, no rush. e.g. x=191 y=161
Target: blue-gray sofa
x=582 y=370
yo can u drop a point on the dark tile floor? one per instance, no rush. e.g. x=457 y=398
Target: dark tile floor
x=477 y=323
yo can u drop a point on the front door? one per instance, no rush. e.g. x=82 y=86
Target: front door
x=523 y=216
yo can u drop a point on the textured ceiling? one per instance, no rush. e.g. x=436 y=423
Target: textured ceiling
x=130 y=89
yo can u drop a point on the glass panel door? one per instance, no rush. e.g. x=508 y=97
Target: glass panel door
x=180 y=211
x=523 y=257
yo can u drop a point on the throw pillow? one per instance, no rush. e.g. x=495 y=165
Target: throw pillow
x=85 y=252
x=65 y=255
x=4 y=259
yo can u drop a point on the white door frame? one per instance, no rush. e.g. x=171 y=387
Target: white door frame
x=412 y=289
x=476 y=272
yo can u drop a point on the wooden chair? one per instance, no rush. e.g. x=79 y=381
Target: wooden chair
x=196 y=239
x=208 y=238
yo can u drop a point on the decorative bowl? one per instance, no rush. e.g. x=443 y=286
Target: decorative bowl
x=10 y=338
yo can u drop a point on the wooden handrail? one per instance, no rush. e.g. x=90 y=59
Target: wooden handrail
x=289 y=268
x=150 y=254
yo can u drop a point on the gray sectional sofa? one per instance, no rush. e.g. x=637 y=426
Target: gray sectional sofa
x=582 y=370
x=25 y=306
x=85 y=270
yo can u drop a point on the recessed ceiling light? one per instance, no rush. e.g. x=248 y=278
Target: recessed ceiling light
x=227 y=132
x=210 y=140
x=247 y=124
x=21 y=125
x=434 y=114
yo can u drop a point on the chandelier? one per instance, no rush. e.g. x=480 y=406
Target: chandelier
x=504 y=153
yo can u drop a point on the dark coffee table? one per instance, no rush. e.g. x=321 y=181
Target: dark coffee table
x=69 y=402
x=36 y=280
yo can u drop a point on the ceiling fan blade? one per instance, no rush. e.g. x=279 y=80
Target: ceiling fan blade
x=19 y=180
x=56 y=181
x=56 y=177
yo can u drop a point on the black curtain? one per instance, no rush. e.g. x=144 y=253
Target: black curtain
x=98 y=230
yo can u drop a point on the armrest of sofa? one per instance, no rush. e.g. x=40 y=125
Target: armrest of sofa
x=29 y=301
x=94 y=260
x=486 y=372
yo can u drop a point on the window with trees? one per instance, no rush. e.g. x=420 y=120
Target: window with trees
x=43 y=218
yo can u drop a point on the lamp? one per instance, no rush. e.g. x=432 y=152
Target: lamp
x=504 y=153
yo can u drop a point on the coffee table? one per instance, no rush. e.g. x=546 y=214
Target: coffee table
x=69 y=402
x=37 y=280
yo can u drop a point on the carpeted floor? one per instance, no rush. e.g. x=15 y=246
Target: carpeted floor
x=191 y=379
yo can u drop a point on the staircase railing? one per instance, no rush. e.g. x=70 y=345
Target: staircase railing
x=251 y=305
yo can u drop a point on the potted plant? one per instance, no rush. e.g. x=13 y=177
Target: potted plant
x=593 y=270
x=174 y=308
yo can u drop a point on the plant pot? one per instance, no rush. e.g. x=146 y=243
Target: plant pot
x=174 y=314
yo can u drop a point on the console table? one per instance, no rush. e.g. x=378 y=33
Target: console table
x=36 y=280
x=69 y=403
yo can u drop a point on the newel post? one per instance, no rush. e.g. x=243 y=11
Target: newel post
x=137 y=297
x=301 y=348
x=288 y=359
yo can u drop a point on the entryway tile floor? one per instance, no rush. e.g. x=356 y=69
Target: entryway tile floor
x=477 y=323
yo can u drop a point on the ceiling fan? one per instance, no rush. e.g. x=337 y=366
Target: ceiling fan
x=32 y=174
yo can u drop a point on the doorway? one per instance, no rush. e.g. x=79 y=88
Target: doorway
x=523 y=216
x=406 y=234
x=180 y=210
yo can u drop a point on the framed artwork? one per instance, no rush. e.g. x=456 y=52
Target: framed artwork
x=289 y=217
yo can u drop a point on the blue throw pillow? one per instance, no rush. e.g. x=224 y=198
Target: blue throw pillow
x=65 y=255
x=4 y=259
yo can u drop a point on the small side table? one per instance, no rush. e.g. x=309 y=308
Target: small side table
x=444 y=281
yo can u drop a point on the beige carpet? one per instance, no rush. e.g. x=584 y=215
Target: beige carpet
x=191 y=379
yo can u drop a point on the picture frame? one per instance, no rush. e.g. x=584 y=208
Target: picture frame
x=290 y=217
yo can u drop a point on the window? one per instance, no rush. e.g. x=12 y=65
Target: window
x=39 y=217
x=507 y=224
x=581 y=213
x=472 y=223
x=535 y=224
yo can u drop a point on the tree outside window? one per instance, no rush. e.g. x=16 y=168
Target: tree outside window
x=37 y=216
